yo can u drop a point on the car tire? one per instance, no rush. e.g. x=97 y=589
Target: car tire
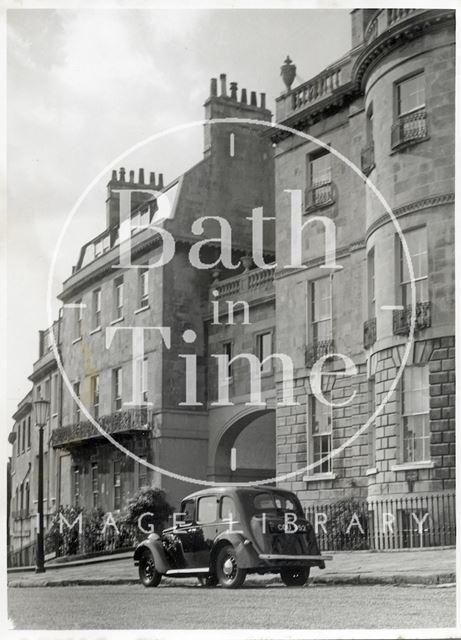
x=148 y=574
x=229 y=574
x=295 y=576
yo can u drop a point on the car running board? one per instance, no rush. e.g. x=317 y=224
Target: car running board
x=172 y=572
x=281 y=556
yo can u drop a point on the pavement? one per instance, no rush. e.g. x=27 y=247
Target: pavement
x=416 y=566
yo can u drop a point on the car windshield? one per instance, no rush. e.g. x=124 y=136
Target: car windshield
x=275 y=502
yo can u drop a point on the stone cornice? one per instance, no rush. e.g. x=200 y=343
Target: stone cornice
x=366 y=57
x=411 y=207
x=393 y=37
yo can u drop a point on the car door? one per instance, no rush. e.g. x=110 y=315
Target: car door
x=228 y=517
x=197 y=528
x=207 y=525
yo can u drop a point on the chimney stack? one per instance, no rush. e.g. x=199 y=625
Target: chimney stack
x=213 y=88
x=233 y=90
x=253 y=100
x=222 y=77
x=244 y=96
x=141 y=176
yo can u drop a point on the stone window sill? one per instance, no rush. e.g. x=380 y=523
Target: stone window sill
x=410 y=466
x=117 y=320
x=316 y=477
x=371 y=472
x=142 y=309
x=96 y=330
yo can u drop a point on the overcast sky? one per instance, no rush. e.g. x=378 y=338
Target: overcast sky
x=84 y=85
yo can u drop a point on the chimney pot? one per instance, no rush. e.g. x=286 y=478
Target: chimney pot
x=131 y=176
x=213 y=88
x=254 y=102
x=122 y=174
x=114 y=176
x=141 y=176
x=263 y=101
x=233 y=90
x=222 y=77
x=244 y=96
x=152 y=178
x=160 y=180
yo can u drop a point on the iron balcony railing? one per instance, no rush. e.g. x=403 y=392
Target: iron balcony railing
x=318 y=349
x=20 y=514
x=369 y=333
x=409 y=128
x=401 y=319
x=319 y=195
x=367 y=158
x=396 y=523
x=119 y=422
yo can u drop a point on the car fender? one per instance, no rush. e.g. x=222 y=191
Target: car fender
x=246 y=555
x=154 y=545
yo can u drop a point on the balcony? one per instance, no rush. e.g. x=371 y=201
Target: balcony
x=250 y=285
x=20 y=514
x=409 y=129
x=120 y=422
x=318 y=349
x=401 y=319
x=369 y=333
x=385 y=19
x=327 y=87
x=320 y=195
x=367 y=159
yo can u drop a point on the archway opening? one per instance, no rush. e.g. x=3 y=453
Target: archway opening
x=246 y=450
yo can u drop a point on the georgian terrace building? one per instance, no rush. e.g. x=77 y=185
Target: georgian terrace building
x=388 y=106
x=140 y=403
x=46 y=385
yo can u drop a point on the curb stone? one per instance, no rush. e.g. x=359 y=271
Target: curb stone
x=442 y=579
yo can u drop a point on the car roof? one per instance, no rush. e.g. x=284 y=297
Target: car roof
x=233 y=489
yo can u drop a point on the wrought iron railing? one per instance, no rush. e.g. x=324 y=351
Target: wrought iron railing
x=367 y=158
x=409 y=128
x=396 y=523
x=318 y=349
x=369 y=333
x=122 y=421
x=319 y=195
x=401 y=318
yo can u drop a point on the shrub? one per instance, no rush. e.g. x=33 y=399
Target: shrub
x=149 y=501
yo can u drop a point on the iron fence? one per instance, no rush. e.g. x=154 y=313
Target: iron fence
x=396 y=523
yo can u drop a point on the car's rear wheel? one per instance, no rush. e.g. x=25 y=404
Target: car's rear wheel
x=295 y=576
x=148 y=574
x=229 y=574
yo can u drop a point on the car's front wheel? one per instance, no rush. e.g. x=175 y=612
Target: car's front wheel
x=229 y=574
x=295 y=576
x=148 y=574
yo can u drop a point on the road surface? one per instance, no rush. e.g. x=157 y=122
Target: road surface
x=277 y=607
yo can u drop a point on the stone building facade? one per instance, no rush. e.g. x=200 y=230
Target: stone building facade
x=140 y=402
x=46 y=385
x=388 y=107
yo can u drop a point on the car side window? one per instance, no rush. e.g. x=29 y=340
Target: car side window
x=188 y=509
x=206 y=509
x=227 y=509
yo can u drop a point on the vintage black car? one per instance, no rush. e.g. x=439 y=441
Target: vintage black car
x=226 y=533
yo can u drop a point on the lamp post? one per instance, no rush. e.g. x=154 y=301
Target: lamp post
x=41 y=409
